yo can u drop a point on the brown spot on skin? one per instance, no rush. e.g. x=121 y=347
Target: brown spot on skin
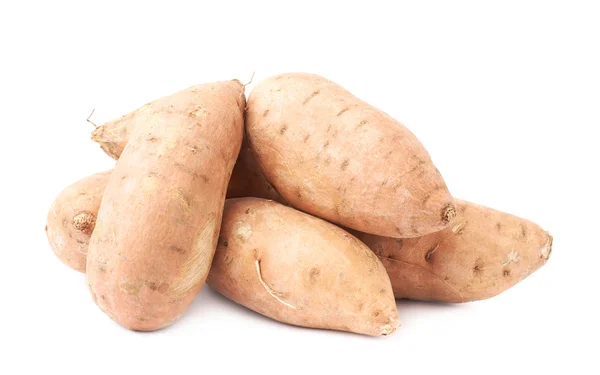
x=342 y=111
x=395 y=187
x=448 y=213
x=446 y=278
x=151 y=139
x=336 y=211
x=376 y=313
x=204 y=178
x=328 y=128
x=310 y=97
x=424 y=200
x=382 y=291
x=225 y=243
x=265 y=113
x=248 y=211
x=283 y=129
x=151 y=285
x=523 y=231
x=398 y=230
x=176 y=249
x=506 y=273
x=101 y=269
x=399 y=243
x=478 y=267
x=314 y=274
x=499 y=226
x=345 y=165
x=298 y=193
x=124 y=177
x=84 y=222
x=327 y=160
x=163 y=288
x=360 y=306
x=306 y=137
x=103 y=297
x=360 y=124
x=326 y=145
x=430 y=253
x=81 y=242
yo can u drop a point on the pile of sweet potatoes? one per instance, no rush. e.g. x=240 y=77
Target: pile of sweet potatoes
x=304 y=204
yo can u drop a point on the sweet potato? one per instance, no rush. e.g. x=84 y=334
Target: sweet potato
x=72 y=218
x=159 y=219
x=300 y=270
x=483 y=253
x=334 y=156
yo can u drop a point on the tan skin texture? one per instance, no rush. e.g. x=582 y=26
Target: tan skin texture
x=481 y=254
x=160 y=215
x=72 y=218
x=300 y=270
x=332 y=155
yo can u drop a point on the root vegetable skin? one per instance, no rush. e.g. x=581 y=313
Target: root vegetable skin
x=159 y=219
x=300 y=270
x=481 y=254
x=72 y=218
x=334 y=156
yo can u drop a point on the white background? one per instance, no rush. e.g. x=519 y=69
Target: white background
x=506 y=97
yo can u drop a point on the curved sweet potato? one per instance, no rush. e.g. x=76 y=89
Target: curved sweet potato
x=483 y=253
x=300 y=270
x=159 y=219
x=334 y=156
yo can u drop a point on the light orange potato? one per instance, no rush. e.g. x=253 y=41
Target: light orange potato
x=481 y=254
x=159 y=219
x=300 y=270
x=72 y=218
x=332 y=155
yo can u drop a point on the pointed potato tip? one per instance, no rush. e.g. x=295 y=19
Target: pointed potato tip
x=390 y=327
x=547 y=249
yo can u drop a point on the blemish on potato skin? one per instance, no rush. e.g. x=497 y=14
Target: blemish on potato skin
x=314 y=274
x=424 y=200
x=310 y=97
x=506 y=273
x=327 y=160
x=342 y=111
x=523 y=231
x=399 y=243
x=429 y=254
x=177 y=249
x=326 y=145
x=499 y=226
x=360 y=124
x=478 y=267
x=283 y=129
x=344 y=164
x=306 y=137
x=265 y=113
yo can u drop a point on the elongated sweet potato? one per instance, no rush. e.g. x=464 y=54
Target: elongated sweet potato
x=72 y=218
x=159 y=219
x=334 y=156
x=300 y=270
x=483 y=253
